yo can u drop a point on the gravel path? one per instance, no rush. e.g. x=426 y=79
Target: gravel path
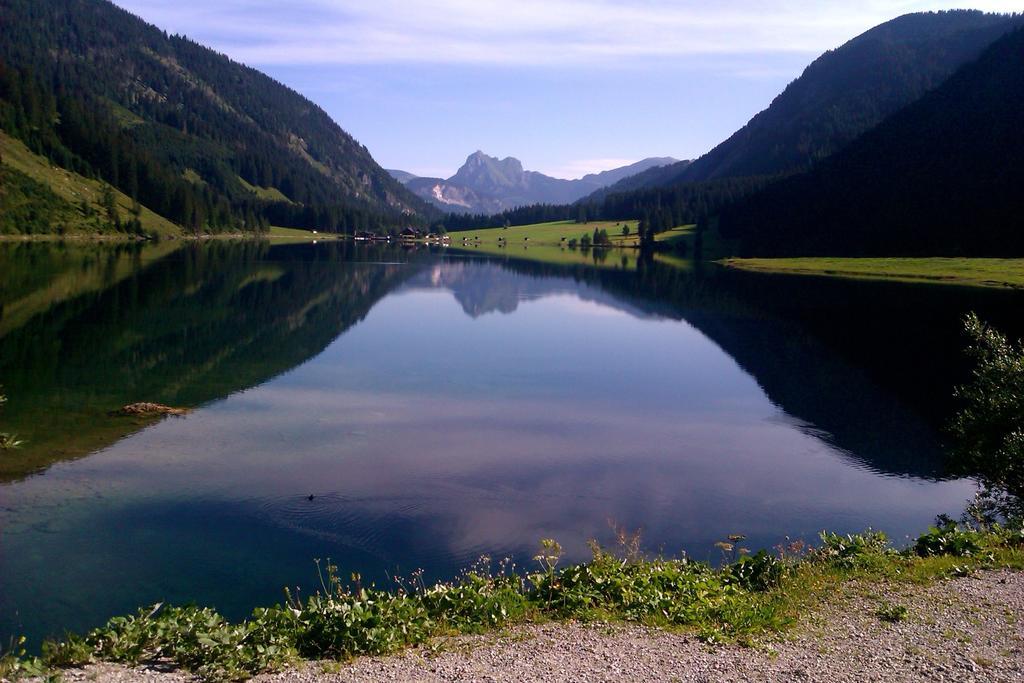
x=969 y=629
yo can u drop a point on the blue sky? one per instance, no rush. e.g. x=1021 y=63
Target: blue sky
x=567 y=86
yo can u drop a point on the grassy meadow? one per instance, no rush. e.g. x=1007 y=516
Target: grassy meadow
x=543 y=233
x=279 y=235
x=543 y=242
x=75 y=189
x=974 y=272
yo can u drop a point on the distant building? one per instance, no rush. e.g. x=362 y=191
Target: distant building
x=409 y=234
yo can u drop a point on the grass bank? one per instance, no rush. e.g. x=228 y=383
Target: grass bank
x=750 y=598
x=545 y=233
x=279 y=235
x=973 y=272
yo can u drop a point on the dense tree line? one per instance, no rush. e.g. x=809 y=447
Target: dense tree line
x=661 y=209
x=523 y=215
x=202 y=140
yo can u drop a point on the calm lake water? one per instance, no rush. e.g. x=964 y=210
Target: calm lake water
x=438 y=408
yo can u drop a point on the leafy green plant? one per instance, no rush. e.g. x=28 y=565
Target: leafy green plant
x=988 y=431
x=479 y=599
x=853 y=550
x=661 y=591
x=759 y=572
x=948 y=539
x=8 y=441
x=891 y=612
x=14 y=662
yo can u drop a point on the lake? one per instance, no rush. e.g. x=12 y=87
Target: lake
x=439 y=407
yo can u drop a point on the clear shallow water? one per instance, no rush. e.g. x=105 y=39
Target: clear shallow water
x=439 y=409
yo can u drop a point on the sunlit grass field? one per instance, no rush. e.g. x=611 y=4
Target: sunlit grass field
x=975 y=272
x=543 y=242
x=76 y=189
x=280 y=235
x=544 y=233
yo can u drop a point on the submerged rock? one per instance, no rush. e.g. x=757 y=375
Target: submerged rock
x=150 y=409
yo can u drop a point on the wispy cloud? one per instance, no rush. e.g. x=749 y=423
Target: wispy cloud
x=519 y=32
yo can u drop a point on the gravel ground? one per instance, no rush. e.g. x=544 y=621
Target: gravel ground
x=969 y=629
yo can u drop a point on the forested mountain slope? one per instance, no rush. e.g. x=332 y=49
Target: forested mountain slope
x=200 y=139
x=941 y=177
x=840 y=95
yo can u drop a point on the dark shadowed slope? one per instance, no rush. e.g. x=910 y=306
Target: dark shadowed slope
x=840 y=95
x=941 y=177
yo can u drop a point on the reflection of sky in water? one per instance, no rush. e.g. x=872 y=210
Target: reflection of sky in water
x=430 y=437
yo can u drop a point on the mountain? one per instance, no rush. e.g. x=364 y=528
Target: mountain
x=941 y=177
x=486 y=184
x=198 y=138
x=840 y=95
x=401 y=176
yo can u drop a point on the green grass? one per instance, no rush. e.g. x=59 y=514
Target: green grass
x=269 y=193
x=74 y=189
x=542 y=242
x=548 y=234
x=552 y=254
x=974 y=272
x=748 y=600
x=283 y=235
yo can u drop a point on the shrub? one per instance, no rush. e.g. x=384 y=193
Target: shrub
x=948 y=539
x=988 y=432
x=852 y=550
x=758 y=572
x=891 y=612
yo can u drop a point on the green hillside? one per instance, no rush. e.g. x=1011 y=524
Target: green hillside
x=841 y=95
x=207 y=143
x=940 y=178
x=38 y=197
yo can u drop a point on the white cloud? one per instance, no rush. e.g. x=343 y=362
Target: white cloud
x=519 y=32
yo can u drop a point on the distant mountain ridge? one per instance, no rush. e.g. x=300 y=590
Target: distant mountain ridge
x=840 y=95
x=486 y=184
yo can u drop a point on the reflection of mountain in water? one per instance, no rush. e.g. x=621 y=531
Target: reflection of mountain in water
x=186 y=329
x=483 y=287
x=868 y=366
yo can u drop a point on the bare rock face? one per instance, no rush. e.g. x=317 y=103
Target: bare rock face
x=486 y=184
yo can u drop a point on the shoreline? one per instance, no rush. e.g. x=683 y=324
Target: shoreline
x=849 y=588
x=841 y=640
